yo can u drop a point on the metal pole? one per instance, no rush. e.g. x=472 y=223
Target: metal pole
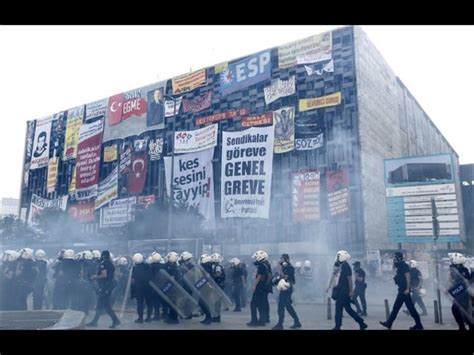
x=387 y=309
x=434 y=213
x=329 y=308
x=171 y=201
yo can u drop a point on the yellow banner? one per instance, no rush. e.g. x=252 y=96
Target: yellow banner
x=219 y=68
x=72 y=185
x=188 y=82
x=110 y=153
x=318 y=102
x=52 y=174
x=72 y=137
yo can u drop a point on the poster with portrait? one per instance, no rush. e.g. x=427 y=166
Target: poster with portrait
x=284 y=122
x=135 y=112
x=40 y=154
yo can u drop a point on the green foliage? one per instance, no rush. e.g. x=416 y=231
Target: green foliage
x=13 y=229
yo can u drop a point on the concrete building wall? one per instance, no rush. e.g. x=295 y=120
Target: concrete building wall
x=391 y=125
x=9 y=206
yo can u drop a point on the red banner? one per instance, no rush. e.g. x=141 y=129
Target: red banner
x=88 y=155
x=306 y=196
x=337 y=183
x=82 y=212
x=114 y=112
x=198 y=104
x=221 y=116
x=135 y=107
x=258 y=120
x=137 y=174
x=146 y=200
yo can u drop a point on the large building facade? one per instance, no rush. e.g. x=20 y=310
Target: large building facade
x=347 y=112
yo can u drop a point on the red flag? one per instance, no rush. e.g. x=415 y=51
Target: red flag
x=137 y=174
x=134 y=107
x=115 y=109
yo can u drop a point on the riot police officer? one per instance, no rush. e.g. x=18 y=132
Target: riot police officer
x=285 y=284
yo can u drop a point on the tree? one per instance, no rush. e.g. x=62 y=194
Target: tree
x=13 y=229
x=151 y=222
x=54 y=224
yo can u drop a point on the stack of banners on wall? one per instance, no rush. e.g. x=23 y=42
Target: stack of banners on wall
x=320 y=69
x=337 y=183
x=222 y=116
x=72 y=185
x=108 y=189
x=312 y=49
x=219 y=68
x=26 y=175
x=257 y=120
x=411 y=185
x=193 y=182
x=38 y=204
x=169 y=109
x=309 y=134
x=135 y=112
x=189 y=82
x=110 y=153
x=118 y=214
x=73 y=125
x=146 y=200
x=30 y=136
x=246 y=72
x=96 y=109
x=319 y=102
x=58 y=130
x=284 y=120
x=125 y=158
x=88 y=160
x=193 y=141
x=138 y=167
x=155 y=148
x=246 y=174
x=305 y=187
x=198 y=104
x=82 y=212
x=40 y=154
x=52 y=174
x=279 y=88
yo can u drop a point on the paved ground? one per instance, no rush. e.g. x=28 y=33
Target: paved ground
x=312 y=316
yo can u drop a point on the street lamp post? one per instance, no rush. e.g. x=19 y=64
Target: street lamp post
x=434 y=213
x=170 y=206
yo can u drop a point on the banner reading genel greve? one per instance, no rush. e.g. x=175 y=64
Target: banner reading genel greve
x=246 y=177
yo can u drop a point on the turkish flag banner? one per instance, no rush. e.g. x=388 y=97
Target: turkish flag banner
x=137 y=174
x=115 y=109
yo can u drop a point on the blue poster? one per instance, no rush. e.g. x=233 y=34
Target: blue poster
x=246 y=72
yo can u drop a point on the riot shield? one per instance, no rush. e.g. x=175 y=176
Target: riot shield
x=174 y=294
x=208 y=290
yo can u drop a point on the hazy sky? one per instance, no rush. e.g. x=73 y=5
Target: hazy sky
x=47 y=69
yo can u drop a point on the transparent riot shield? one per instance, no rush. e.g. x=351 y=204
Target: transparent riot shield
x=208 y=290
x=174 y=294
